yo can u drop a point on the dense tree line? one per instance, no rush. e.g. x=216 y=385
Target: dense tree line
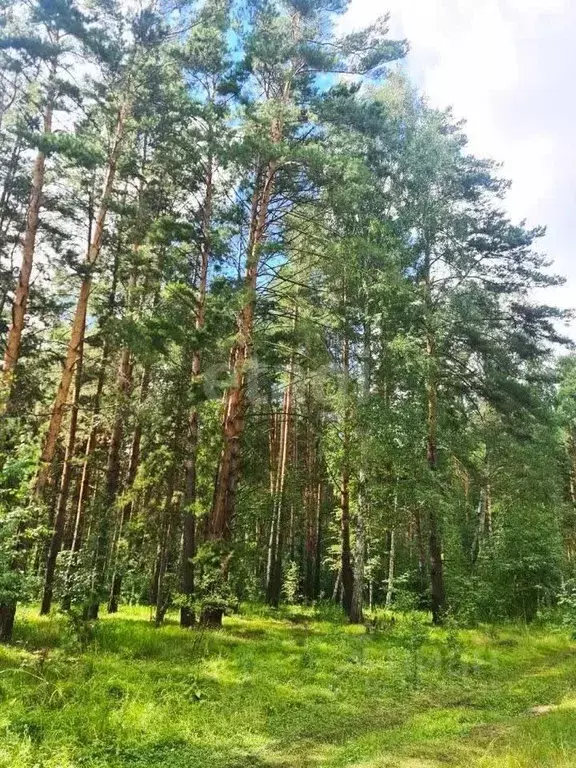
x=268 y=332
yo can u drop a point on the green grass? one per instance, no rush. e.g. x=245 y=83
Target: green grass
x=294 y=689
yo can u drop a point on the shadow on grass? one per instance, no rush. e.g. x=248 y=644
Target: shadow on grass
x=175 y=753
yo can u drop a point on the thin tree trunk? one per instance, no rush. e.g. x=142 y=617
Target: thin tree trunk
x=14 y=340
x=423 y=579
x=187 y=615
x=309 y=500
x=68 y=537
x=337 y=586
x=391 y=565
x=356 y=612
x=84 y=485
x=163 y=595
x=434 y=543
x=438 y=598
x=356 y=615
x=312 y=502
x=347 y=575
x=488 y=501
x=126 y=513
x=318 y=554
x=112 y=483
x=274 y=441
x=60 y=516
x=274 y=569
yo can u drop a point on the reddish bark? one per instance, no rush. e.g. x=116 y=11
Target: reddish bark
x=79 y=321
x=14 y=340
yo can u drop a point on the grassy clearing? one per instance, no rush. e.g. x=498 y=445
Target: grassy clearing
x=294 y=690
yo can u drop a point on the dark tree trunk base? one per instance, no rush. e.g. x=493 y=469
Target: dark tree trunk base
x=437 y=617
x=46 y=602
x=187 y=617
x=355 y=616
x=114 y=600
x=273 y=600
x=7 y=616
x=91 y=612
x=212 y=617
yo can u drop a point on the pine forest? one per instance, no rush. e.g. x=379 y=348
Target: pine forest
x=276 y=359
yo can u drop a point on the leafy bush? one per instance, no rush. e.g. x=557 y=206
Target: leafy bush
x=291 y=582
x=567 y=604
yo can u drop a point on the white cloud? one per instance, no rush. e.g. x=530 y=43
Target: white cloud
x=507 y=67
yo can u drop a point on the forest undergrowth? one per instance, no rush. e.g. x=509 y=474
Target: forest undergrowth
x=295 y=688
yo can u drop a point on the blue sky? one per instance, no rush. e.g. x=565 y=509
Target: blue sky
x=509 y=68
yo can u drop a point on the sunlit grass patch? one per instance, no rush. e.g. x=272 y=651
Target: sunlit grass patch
x=293 y=688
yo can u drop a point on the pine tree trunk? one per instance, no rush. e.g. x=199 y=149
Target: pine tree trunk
x=126 y=513
x=274 y=569
x=313 y=500
x=155 y=580
x=336 y=597
x=14 y=340
x=223 y=505
x=309 y=499
x=187 y=615
x=79 y=321
x=356 y=615
x=7 y=616
x=356 y=611
x=60 y=517
x=488 y=501
x=347 y=575
x=84 y=484
x=480 y=531
x=434 y=542
x=112 y=482
x=422 y=557
x=68 y=538
x=391 y=565
x=273 y=454
x=318 y=556
x=91 y=442
x=162 y=594
x=234 y=402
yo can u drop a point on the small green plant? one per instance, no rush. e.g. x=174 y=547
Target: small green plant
x=567 y=605
x=291 y=582
x=413 y=637
x=80 y=632
x=451 y=649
